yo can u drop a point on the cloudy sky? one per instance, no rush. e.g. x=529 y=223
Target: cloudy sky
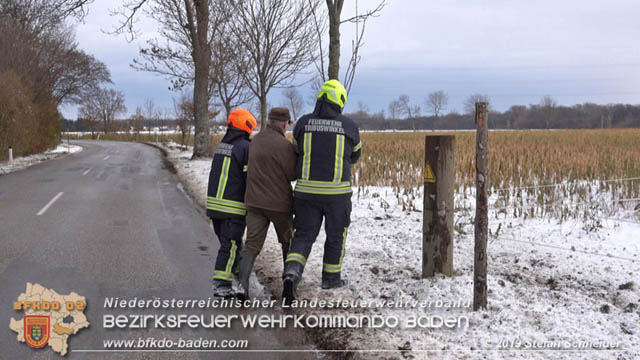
x=514 y=51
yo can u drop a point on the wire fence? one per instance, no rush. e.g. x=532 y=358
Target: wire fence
x=555 y=247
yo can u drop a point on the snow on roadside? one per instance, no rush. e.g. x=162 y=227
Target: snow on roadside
x=26 y=161
x=548 y=281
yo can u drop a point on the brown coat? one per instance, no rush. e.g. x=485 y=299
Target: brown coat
x=271 y=168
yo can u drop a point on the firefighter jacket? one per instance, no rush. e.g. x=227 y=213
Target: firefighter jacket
x=228 y=176
x=328 y=143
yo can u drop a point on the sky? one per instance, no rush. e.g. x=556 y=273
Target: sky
x=513 y=51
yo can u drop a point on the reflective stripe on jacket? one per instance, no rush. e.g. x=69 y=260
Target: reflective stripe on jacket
x=228 y=176
x=328 y=143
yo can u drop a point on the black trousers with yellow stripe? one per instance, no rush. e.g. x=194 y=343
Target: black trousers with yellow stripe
x=229 y=232
x=307 y=223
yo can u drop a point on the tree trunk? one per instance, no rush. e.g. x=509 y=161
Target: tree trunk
x=227 y=110
x=263 y=110
x=201 y=55
x=335 y=8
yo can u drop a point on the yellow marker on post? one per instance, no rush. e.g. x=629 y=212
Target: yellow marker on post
x=429 y=176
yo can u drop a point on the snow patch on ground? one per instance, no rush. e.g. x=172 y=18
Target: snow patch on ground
x=548 y=281
x=26 y=161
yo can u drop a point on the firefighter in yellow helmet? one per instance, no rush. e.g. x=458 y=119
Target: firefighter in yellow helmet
x=328 y=143
x=225 y=197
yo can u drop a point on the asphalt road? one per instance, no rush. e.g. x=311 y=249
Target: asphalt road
x=117 y=225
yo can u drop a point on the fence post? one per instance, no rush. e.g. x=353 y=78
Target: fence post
x=10 y=155
x=481 y=216
x=439 y=180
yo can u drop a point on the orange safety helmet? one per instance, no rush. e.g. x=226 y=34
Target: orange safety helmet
x=243 y=120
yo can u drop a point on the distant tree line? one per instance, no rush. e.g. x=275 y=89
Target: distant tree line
x=41 y=68
x=402 y=115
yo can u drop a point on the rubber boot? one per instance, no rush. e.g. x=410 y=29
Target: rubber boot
x=245 y=265
x=284 y=259
x=332 y=281
x=285 y=251
x=292 y=276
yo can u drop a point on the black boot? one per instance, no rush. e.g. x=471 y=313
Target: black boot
x=222 y=289
x=292 y=276
x=332 y=281
x=284 y=259
x=285 y=251
x=245 y=265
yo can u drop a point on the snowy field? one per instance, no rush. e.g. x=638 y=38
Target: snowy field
x=556 y=290
x=26 y=161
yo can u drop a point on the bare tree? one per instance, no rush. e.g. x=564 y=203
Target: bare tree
x=294 y=101
x=78 y=74
x=469 y=104
x=281 y=39
x=172 y=57
x=334 y=10
x=183 y=111
x=137 y=121
x=436 y=102
x=515 y=115
x=187 y=22
x=316 y=83
x=90 y=122
x=150 y=113
x=395 y=109
x=228 y=66
x=548 y=105
x=255 y=106
x=39 y=16
x=548 y=101
x=103 y=105
x=363 y=108
x=410 y=111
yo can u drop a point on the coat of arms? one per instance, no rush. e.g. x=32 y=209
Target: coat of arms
x=36 y=330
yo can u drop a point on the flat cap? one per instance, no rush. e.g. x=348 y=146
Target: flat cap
x=280 y=114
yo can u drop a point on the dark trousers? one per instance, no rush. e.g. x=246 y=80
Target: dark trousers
x=229 y=232
x=307 y=223
x=258 y=221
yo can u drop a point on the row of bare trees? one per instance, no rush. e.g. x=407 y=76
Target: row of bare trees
x=534 y=116
x=435 y=102
x=230 y=51
x=546 y=114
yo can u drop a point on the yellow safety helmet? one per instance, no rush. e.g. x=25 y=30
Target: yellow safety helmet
x=334 y=91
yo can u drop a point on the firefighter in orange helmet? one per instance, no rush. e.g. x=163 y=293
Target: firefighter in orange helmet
x=225 y=197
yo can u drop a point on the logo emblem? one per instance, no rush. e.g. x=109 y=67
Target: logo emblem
x=36 y=330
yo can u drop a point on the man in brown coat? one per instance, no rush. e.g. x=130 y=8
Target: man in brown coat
x=269 y=198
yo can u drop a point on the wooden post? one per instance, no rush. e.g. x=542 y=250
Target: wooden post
x=481 y=216
x=439 y=180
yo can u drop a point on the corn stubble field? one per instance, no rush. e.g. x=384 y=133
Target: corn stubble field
x=578 y=174
x=560 y=174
